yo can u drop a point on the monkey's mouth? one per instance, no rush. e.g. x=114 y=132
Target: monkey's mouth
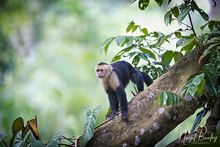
x=100 y=77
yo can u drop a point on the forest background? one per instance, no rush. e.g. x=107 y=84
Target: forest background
x=48 y=52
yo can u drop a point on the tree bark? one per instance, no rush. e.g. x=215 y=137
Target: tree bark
x=148 y=124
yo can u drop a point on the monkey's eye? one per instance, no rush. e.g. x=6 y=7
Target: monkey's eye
x=101 y=70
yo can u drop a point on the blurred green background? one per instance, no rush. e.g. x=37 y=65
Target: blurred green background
x=48 y=52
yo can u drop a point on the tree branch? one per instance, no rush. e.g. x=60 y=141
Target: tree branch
x=149 y=124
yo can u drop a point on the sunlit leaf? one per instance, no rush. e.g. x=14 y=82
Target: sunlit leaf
x=90 y=124
x=130 y=26
x=147 y=51
x=145 y=31
x=129 y=40
x=201 y=12
x=198 y=79
x=167 y=57
x=192 y=90
x=134 y=28
x=125 y=50
x=168 y=17
x=34 y=130
x=105 y=44
x=183 y=14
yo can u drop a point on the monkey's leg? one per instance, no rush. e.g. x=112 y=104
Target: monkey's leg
x=137 y=78
x=121 y=95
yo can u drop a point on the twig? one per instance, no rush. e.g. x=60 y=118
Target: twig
x=192 y=25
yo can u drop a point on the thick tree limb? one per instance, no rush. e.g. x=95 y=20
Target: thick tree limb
x=149 y=124
x=205 y=136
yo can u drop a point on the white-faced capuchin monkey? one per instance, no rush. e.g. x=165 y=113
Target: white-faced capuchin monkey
x=114 y=78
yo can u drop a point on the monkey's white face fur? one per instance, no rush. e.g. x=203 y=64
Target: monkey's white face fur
x=103 y=71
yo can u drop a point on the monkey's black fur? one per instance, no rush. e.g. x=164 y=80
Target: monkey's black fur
x=120 y=75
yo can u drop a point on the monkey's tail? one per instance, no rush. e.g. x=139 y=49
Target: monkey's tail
x=146 y=78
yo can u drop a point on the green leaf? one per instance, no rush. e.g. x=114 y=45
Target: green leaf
x=202 y=27
x=118 y=40
x=18 y=141
x=175 y=56
x=183 y=14
x=146 y=51
x=129 y=40
x=175 y=11
x=125 y=50
x=145 y=31
x=105 y=44
x=136 y=60
x=5 y=136
x=189 y=47
x=17 y=126
x=201 y=12
x=167 y=57
x=180 y=42
x=212 y=82
x=199 y=117
x=130 y=26
x=168 y=17
x=88 y=110
x=209 y=48
x=201 y=86
x=57 y=136
x=90 y=124
x=161 y=41
x=142 y=4
x=197 y=80
x=36 y=143
x=134 y=28
x=52 y=143
x=192 y=90
x=163 y=98
x=159 y=2
x=169 y=99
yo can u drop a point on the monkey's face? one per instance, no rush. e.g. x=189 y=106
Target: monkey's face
x=100 y=73
x=103 y=71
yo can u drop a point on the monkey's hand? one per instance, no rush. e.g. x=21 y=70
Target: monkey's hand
x=112 y=115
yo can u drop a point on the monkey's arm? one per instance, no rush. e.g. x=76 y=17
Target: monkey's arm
x=113 y=103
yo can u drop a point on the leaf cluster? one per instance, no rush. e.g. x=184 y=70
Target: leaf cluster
x=22 y=133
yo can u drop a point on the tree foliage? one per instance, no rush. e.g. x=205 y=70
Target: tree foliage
x=148 y=47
